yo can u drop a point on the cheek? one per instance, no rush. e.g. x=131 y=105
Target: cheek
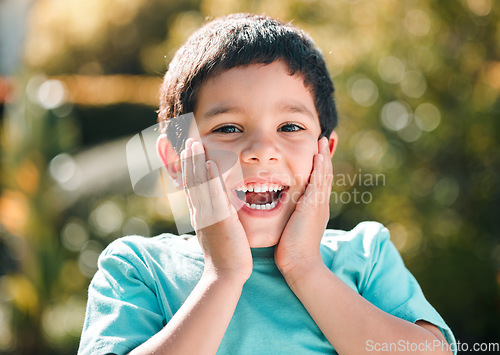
x=302 y=173
x=301 y=163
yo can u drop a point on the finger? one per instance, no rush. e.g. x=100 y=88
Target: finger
x=188 y=143
x=329 y=165
x=218 y=196
x=187 y=168
x=198 y=160
x=200 y=174
x=324 y=150
x=184 y=169
x=187 y=155
x=321 y=195
x=323 y=146
x=313 y=190
x=317 y=175
x=329 y=174
x=191 y=186
x=183 y=157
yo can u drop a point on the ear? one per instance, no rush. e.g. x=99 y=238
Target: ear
x=170 y=159
x=332 y=142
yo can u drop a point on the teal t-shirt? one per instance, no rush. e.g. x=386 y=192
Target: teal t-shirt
x=142 y=282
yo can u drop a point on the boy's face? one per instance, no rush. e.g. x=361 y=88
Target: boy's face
x=268 y=119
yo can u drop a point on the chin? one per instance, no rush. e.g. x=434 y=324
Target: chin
x=263 y=239
x=263 y=233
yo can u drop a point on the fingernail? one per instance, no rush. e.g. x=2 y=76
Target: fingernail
x=197 y=147
x=210 y=169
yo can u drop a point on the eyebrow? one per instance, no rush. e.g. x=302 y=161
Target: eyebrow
x=296 y=107
x=283 y=106
x=220 y=109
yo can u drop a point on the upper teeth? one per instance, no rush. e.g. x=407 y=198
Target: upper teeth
x=260 y=188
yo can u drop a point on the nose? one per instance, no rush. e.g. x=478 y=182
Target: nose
x=260 y=148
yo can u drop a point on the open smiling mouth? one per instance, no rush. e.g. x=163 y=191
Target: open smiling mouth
x=261 y=197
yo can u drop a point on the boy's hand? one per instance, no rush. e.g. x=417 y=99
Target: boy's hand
x=219 y=231
x=299 y=247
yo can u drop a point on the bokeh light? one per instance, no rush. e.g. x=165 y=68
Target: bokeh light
x=364 y=91
x=396 y=115
x=427 y=116
x=74 y=234
x=413 y=84
x=391 y=69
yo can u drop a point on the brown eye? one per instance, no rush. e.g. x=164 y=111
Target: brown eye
x=227 y=129
x=290 y=127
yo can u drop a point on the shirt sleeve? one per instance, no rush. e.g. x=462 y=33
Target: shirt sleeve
x=122 y=311
x=392 y=288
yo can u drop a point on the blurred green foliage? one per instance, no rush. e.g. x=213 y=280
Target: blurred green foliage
x=417 y=85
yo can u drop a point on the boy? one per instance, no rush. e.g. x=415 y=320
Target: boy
x=262 y=274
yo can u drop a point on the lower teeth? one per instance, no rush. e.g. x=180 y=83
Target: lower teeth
x=267 y=206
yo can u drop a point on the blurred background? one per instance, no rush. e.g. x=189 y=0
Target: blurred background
x=418 y=92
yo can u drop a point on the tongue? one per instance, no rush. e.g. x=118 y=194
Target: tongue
x=260 y=198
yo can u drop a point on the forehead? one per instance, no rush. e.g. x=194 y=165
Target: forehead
x=255 y=89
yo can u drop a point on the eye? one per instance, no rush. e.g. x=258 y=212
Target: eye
x=227 y=129
x=290 y=127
